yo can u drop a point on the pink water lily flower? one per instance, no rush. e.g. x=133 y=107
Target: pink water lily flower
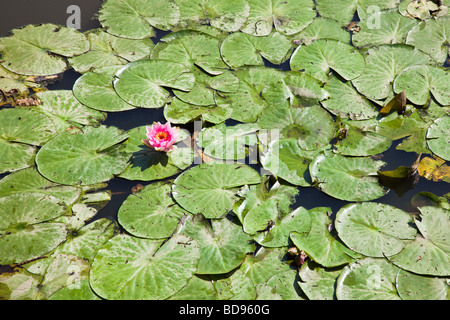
x=161 y=137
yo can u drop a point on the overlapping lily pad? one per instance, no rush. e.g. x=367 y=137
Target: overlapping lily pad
x=39 y=50
x=438 y=137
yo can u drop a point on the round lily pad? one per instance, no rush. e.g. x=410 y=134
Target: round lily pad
x=322 y=56
x=321 y=28
x=411 y=286
x=26 y=229
x=21 y=130
x=151 y=212
x=84 y=157
x=130 y=268
x=421 y=80
x=210 y=188
x=374 y=229
x=178 y=111
x=287 y=17
x=140 y=83
x=438 y=137
x=368 y=279
x=39 y=50
x=347 y=178
x=135 y=19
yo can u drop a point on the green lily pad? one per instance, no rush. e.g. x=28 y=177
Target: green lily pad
x=224 y=142
x=223 y=244
x=347 y=178
x=21 y=131
x=411 y=286
x=228 y=16
x=319 y=244
x=84 y=157
x=240 y=49
x=108 y=50
x=321 y=28
x=26 y=227
x=313 y=126
x=368 y=279
x=151 y=212
x=195 y=188
x=39 y=50
x=421 y=80
x=11 y=82
x=438 y=137
x=95 y=90
x=285 y=16
x=428 y=254
x=393 y=29
x=66 y=111
x=383 y=64
x=344 y=10
x=140 y=83
x=20 y=285
x=198 y=288
x=135 y=19
x=178 y=111
x=374 y=229
x=148 y=164
x=431 y=36
x=346 y=102
x=79 y=291
x=129 y=268
x=322 y=56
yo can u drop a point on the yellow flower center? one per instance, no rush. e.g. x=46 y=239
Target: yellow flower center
x=161 y=135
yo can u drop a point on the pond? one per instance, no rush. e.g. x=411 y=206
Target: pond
x=347 y=189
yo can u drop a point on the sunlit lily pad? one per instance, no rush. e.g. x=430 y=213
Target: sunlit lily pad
x=83 y=157
x=148 y=164
x=26 y=229
x=438 y=137
x=368 y=279
x=20 y=285
x=140 y=83
x=432 y=37
x=429 y=253
x=240 y=49
x=319 y=243
x=95 y=90
x=21 y=131
x=285 y=16
x=135 y=19
x=347 y=178
x=393 y=28
x=322 y=56
x=223 y=244
x=374 y=229
x=282 y=286
x=228 y=16
x=411 y=286
x=109 y=50
x=383 y=64
x=151 y=212
x=66 y=111
x=210 y=188
x=321 y=28
x=130 y=268
x=40 y=49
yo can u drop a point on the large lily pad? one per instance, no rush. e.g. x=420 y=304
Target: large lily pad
x=321 y=28
x=140 y=83
x=210 y=188
x=151 y=212
x=287 y=17
x=322 y=56
x=84 y=157
x=438 y=137
x=411 y=286
x=347 y=178
x=368 y=279
x=130 y=268
x=223 y=244
x=383 y=64
x=421 y=80
x=148 y=164
x=374 y=229
x=39 y=50
x=26 y=229
x=135 y=19
x=109 y=50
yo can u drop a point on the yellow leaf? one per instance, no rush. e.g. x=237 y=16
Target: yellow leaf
x=434 y=169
